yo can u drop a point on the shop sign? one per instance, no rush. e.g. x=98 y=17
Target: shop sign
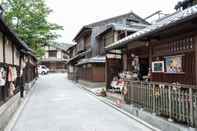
x=174 y=64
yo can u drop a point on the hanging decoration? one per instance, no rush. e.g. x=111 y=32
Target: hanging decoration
x=10 y=74
x=2 y=76
x=12 y=88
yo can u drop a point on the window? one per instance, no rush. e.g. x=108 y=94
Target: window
x=87 y=42
x=52 y=53
x=108 y=38
x=158 y=66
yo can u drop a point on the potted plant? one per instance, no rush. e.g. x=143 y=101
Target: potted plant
x=103 y=92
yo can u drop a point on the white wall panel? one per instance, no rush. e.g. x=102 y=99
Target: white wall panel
x=8 y=52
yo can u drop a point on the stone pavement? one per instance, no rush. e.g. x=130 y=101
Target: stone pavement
x=59 y=105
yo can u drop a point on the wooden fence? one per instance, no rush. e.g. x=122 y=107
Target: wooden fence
x=174 y=101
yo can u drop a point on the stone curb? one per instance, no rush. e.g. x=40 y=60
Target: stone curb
x=111 y=104
x=15 y=117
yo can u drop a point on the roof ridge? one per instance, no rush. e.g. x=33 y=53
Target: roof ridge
x=116 y=17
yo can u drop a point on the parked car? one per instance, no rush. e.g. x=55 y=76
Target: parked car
x=43 y=70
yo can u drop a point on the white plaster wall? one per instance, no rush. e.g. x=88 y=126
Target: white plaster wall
x=8 y=52
x=1 y=49
x=59 y=54
x=46 y=55
x=16 y=57
x=70 y=68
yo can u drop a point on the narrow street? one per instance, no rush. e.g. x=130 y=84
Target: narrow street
x=57 y=104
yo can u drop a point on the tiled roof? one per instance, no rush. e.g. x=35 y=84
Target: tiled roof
x=122 y=27
x=173 y=19
x=79 y=55
x=97 y=59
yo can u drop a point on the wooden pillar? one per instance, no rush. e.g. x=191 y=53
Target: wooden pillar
x=126 y=34
x=4 y=49
x=150 y=57
x=195 y=49
x=115 y=36
x=106 y=69
x=125 y=59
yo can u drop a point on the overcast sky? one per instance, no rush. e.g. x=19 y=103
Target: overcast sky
x=73 y=14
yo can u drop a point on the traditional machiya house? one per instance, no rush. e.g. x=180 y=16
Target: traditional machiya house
x=159 y=66
x=71 y=51
x=88 y=60
x=17 y=68
x=55 y=57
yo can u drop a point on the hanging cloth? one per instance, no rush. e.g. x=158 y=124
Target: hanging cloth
x=12 y=88
x=14 y=73
x=3 y=72
x=2 y=76
x=2 y=81
x=10 y=74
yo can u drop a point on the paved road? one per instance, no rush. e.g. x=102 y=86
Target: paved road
x=59 y=105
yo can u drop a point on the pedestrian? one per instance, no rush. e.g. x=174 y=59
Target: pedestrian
x=22 y=83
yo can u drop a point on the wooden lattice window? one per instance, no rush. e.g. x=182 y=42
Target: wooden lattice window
x=52 y=53
x=181 y=45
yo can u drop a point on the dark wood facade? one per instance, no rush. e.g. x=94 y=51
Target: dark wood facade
x=18 y=65
x=92 y=72
x=172 y=41
x=157 y=51
x=183 y=45
x=166 y=53
x=91 y=41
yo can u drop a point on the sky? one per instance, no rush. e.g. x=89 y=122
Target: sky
x=73 y=14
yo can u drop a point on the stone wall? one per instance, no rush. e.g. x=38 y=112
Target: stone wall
x=8 y=109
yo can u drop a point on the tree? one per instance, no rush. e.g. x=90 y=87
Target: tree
x=28 y=18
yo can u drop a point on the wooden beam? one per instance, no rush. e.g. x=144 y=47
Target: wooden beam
x=4 y=48
x=150 y=56
x=114 y=53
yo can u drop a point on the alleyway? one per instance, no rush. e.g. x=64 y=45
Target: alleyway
x=58 y=105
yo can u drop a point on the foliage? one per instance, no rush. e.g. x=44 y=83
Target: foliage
x=29 y=19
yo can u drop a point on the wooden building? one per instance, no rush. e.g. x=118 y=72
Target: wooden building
x=88 y=61
x=160 y=63
x=16 y=61
x=55 y=57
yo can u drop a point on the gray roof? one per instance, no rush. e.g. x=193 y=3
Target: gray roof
x=24 y=48
x=54 y=60
x=97 y=59
x=62 y=46
x=79 y=55
x=13 y=35
x=134 y=27
x=171 y=20
x=130 y=15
